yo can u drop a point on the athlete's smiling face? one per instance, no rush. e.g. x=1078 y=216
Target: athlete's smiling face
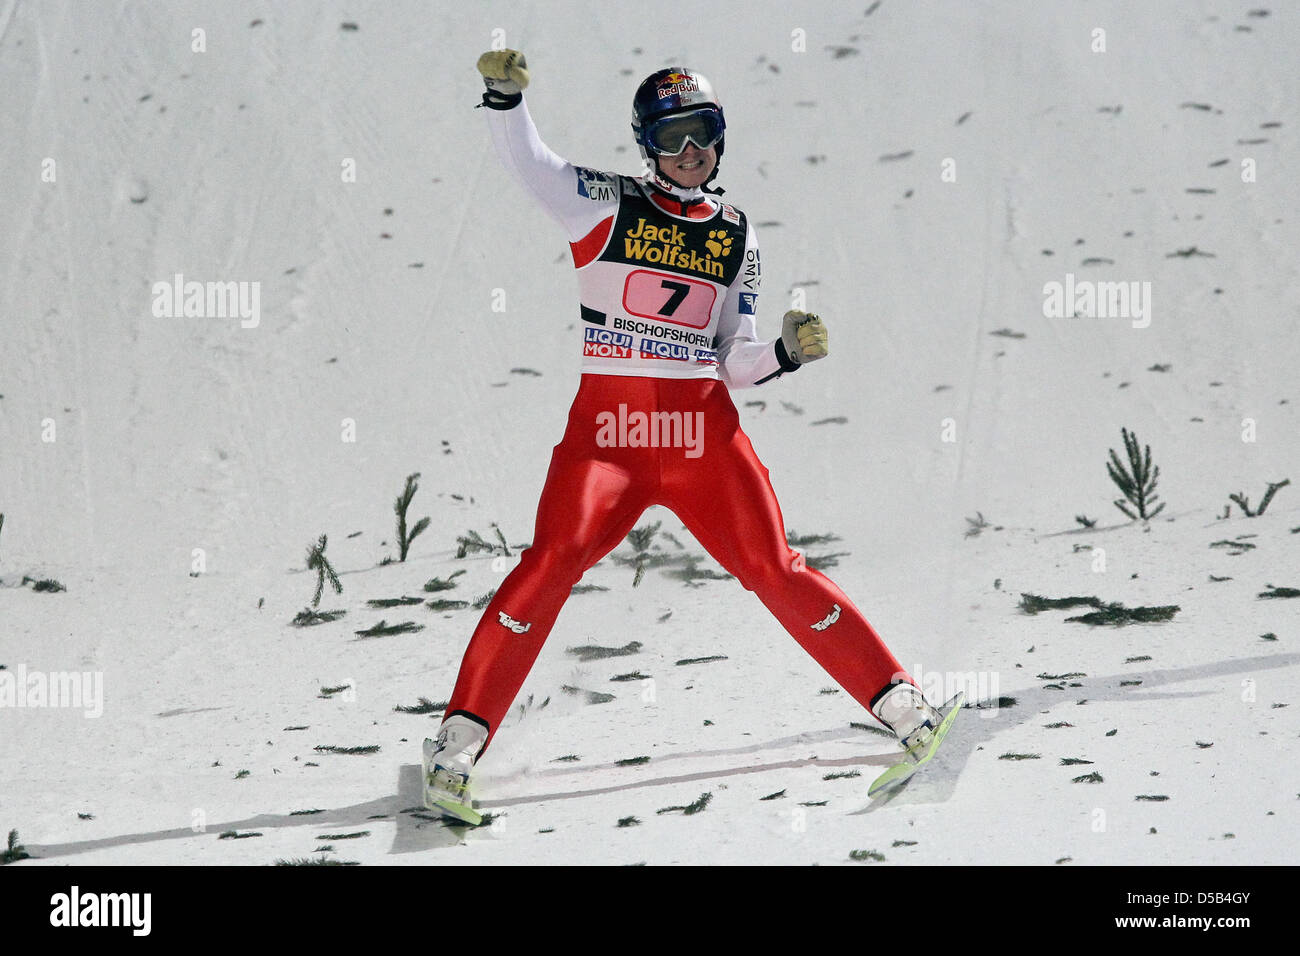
x=691 y=167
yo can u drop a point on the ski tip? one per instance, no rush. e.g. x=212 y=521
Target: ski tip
x=891 y=778
x=456 y=812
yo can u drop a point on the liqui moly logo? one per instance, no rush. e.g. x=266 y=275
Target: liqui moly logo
x=654 y=349
x=602 y=343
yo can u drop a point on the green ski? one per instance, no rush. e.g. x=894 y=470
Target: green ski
x=455 y=811
x=922 y=752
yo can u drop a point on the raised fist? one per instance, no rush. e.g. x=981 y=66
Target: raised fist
x=505 y=71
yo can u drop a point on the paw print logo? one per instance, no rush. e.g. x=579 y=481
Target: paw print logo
x=718 y=243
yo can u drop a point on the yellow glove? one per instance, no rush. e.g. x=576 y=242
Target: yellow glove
x=803 y=336
x=504 y=71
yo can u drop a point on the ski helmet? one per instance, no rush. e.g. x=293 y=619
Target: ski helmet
x=685 y=94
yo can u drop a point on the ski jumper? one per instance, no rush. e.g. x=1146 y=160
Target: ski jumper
x=668 y=291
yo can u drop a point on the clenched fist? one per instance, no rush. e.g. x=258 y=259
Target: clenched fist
x=504 y=71
x=803 y=336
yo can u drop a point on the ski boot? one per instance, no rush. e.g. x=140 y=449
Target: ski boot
x=448 y=759
x=904 y=710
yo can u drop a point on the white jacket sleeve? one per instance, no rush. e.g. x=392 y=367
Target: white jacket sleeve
x=743 y=359
x=561 y=188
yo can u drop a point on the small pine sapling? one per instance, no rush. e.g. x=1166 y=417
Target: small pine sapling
x=1138 y=481
x=640 y=539
x=48 y=585
x=1240 y=498
x=501 y=538
x=795 y=540
x=439 y=584
x=399 y=506
x=316 y=561
x=384 y=629
x=471 y=541
x=14 y=851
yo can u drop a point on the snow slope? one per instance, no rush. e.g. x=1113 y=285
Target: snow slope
x=182 y=440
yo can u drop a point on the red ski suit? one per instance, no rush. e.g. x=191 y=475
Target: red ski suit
x=668 y=290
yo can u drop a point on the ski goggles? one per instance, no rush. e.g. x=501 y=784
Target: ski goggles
x=668 y=136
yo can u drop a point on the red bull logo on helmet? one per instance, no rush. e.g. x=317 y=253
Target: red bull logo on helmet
x=674 y=84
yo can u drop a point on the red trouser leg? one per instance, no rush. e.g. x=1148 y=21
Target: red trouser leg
x=725 y=499
x=591 y=500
